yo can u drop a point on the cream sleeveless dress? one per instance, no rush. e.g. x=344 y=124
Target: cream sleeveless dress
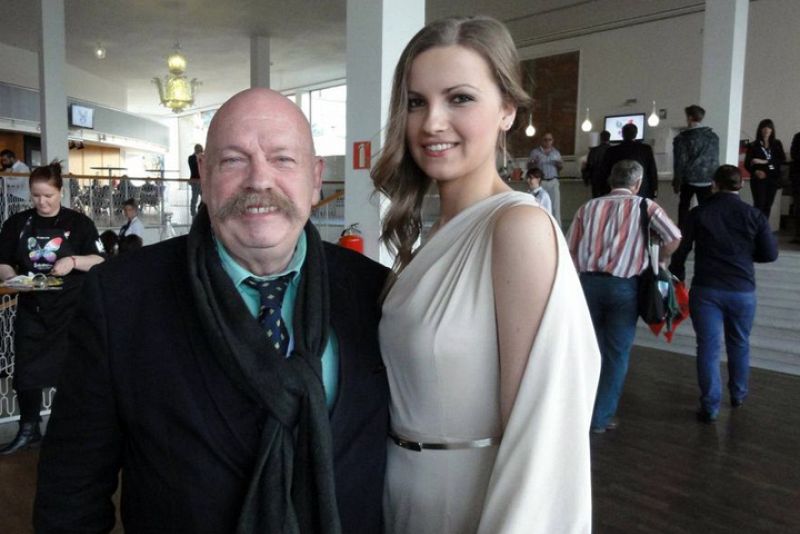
x=438 y=338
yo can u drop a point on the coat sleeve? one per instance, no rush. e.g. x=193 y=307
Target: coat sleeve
x=678 y=263
x=81 y=454
x=766 y=246
x=794 y=150
x=679 y=156
x=652 y=171
x=748 y=158
x=778 y=154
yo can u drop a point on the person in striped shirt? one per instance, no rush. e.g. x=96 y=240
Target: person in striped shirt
x=609 y=251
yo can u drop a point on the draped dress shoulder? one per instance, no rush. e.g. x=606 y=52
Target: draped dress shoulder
x=438 y=338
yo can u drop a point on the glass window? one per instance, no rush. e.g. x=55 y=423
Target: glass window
x=328 y=120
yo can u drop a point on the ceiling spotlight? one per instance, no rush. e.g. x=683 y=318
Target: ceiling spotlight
x=100 y=51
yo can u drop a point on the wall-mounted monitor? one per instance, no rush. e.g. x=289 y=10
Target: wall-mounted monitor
x=614 y=124
x=81 y=116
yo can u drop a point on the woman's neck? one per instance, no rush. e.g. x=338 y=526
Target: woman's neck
x=457 y=195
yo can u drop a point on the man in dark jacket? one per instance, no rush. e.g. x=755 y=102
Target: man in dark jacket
x=695 y=154
x=194 y=178
x=593 y=168
x=729 y=235
x=631 y=149
x=794 y=175
x=242 y=389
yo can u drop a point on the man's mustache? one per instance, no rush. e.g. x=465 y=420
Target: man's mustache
x=267 y=199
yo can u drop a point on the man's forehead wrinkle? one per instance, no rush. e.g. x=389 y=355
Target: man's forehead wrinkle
x=275 y=133
x=260 y=111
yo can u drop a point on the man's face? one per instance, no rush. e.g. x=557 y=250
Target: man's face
x=547 y=141
x=5 y=162
x=259 y=176
x=129 y=211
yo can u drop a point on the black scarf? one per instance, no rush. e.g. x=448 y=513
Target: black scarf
x=292 y=488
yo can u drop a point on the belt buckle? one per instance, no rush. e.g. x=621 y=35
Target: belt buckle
x=411 y=445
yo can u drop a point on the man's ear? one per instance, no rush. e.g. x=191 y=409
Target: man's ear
x=317 y=170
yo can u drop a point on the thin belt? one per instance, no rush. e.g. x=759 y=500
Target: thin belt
x=410 y=444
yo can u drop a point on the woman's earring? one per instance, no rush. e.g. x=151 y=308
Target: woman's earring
x=503 y=142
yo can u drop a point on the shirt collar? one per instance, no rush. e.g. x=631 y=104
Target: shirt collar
x=239 y=274
x=620 y=191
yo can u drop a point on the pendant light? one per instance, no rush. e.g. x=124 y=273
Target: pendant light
x=530 y=131
x=586 y=126
x=653 y=120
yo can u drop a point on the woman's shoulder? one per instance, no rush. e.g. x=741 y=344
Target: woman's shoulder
x=524 y=229
x=18 y=219
x=519 y=213
x=21 y=215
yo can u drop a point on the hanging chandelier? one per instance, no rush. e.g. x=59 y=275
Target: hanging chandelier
x=175 y=90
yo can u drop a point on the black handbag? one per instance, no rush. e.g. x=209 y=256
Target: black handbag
x=654 y=282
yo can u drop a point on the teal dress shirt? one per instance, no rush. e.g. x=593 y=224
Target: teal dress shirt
x=238 y=274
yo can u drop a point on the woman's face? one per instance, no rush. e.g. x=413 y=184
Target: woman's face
x=455 y=112
x=766 y=131
x=46 y=198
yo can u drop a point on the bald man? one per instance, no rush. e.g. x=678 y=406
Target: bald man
x=242 y=390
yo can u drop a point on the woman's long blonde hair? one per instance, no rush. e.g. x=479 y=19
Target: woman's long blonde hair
x=395 y=174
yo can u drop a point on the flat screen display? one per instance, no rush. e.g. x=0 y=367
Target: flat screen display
x=614 y=124
x=81 y=116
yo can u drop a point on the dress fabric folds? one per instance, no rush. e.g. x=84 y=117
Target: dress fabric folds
x=438 y=338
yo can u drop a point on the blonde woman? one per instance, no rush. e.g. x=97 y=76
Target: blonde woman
x=485 y=332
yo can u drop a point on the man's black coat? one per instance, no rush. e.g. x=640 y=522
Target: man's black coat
x=637 y=151
x=141 y=392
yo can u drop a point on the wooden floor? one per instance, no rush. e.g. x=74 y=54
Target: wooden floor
x=661 y=471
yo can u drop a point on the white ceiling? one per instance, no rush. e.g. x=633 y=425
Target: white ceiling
x=307 y=37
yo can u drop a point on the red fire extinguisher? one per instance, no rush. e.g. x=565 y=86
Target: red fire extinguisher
x=351 y=238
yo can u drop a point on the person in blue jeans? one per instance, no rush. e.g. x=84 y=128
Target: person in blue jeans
x=608 y=249
x=729 y=235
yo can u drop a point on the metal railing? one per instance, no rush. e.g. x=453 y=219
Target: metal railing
x=328 y=216
x=162 y=202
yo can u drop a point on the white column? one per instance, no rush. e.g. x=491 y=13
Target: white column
x=52 y=91
x=377 y=32
x=722 y=78
x=259 y=61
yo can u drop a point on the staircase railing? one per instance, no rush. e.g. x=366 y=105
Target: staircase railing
x=328 y=216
